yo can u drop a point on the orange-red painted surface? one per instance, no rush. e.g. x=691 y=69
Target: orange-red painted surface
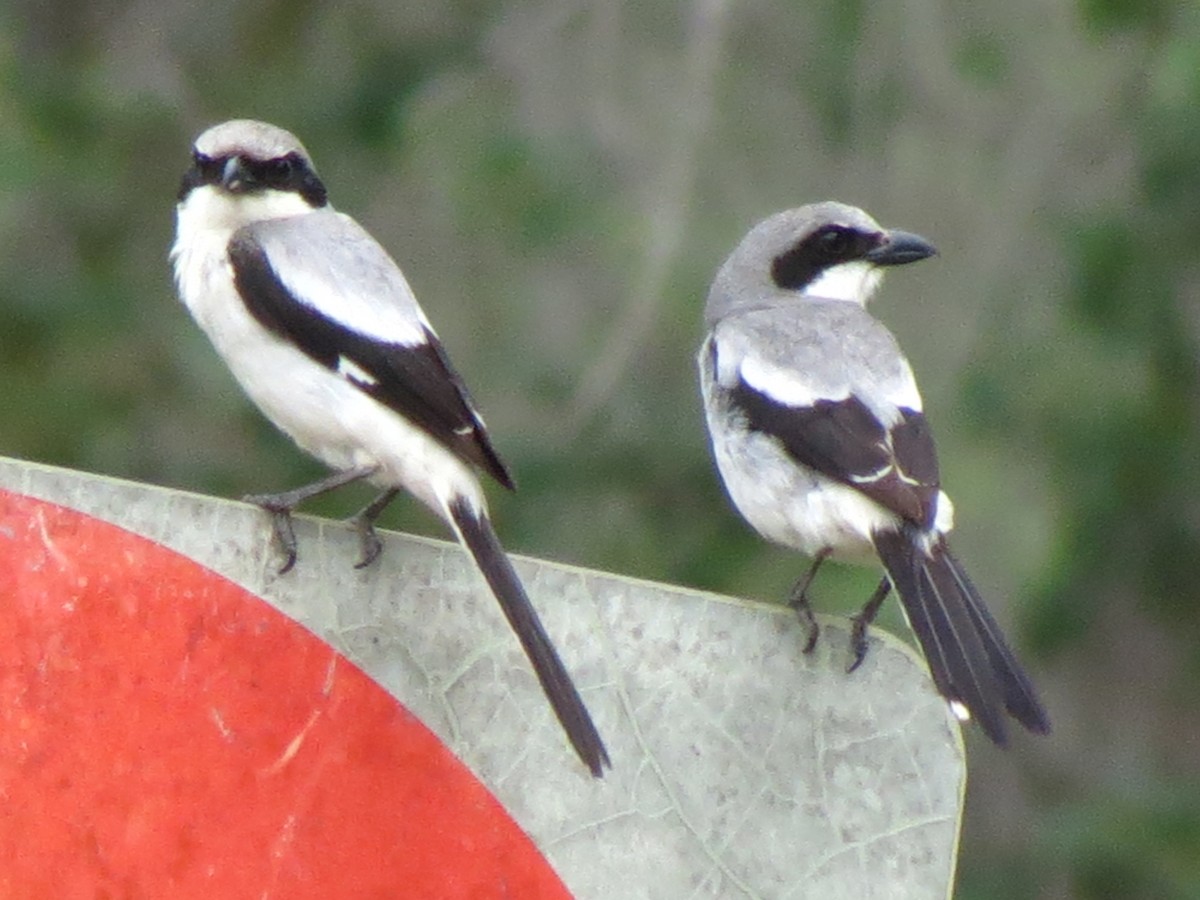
x=164 y=733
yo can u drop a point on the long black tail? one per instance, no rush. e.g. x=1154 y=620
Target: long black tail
x=966 y=651
x=480 y=540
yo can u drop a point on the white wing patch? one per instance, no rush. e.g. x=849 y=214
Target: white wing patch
x=367 y=305
x=903 y=391
x=786 y=386
x=878 y=475
x=884 y=471
x=330 y=264
x=348 y=368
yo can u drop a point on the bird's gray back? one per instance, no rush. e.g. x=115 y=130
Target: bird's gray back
x=834 y=346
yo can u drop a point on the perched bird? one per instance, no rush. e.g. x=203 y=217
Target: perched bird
x=322 y=331
x=817 y=430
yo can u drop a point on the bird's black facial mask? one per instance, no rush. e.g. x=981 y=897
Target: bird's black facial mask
x=244 y=175
x=828 y=246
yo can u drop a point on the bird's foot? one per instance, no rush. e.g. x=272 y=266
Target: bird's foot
x=369 y=542
x=281 y=525
x=798 y=600
x=809 y=622
x=858 y=643
x=860 y=623
x=280 y=507
x=364 y=524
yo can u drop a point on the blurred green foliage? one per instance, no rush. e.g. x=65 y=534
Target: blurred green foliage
x=560 y=184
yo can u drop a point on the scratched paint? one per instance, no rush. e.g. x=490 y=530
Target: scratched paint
x=163 y=732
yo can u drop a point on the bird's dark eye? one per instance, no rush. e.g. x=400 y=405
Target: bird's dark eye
x=281 y=169
x=209 y=168
x=835 y=242
x=283 y=172
x=828 y=246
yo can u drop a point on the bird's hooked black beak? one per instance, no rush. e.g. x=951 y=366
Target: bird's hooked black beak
x=235 y=176
x=899 y=248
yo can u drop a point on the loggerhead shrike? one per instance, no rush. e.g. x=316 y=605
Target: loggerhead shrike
x=817 y=430
x=324 y=334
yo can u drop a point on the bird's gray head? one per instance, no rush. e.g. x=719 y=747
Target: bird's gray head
x=245 y=157
x=829 y=251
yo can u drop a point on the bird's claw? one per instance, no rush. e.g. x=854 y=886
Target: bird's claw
x=369 y=542
x=858 y=643
x=285 y=537
x=281 y=526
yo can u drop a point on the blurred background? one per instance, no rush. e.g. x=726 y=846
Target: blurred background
x=560 y=180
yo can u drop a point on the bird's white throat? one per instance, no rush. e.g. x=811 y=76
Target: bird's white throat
x=211 y=209
x=854 y=282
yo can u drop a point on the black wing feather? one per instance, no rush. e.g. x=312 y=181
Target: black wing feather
x=843 y=440
x=417 y=381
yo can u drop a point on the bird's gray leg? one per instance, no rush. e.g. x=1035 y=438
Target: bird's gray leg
x=364 y=524
x=858 y=633
x=280 y=507
x=798 y=600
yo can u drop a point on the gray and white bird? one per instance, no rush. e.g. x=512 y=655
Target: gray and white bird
x=818 y=432
x=323 y=332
